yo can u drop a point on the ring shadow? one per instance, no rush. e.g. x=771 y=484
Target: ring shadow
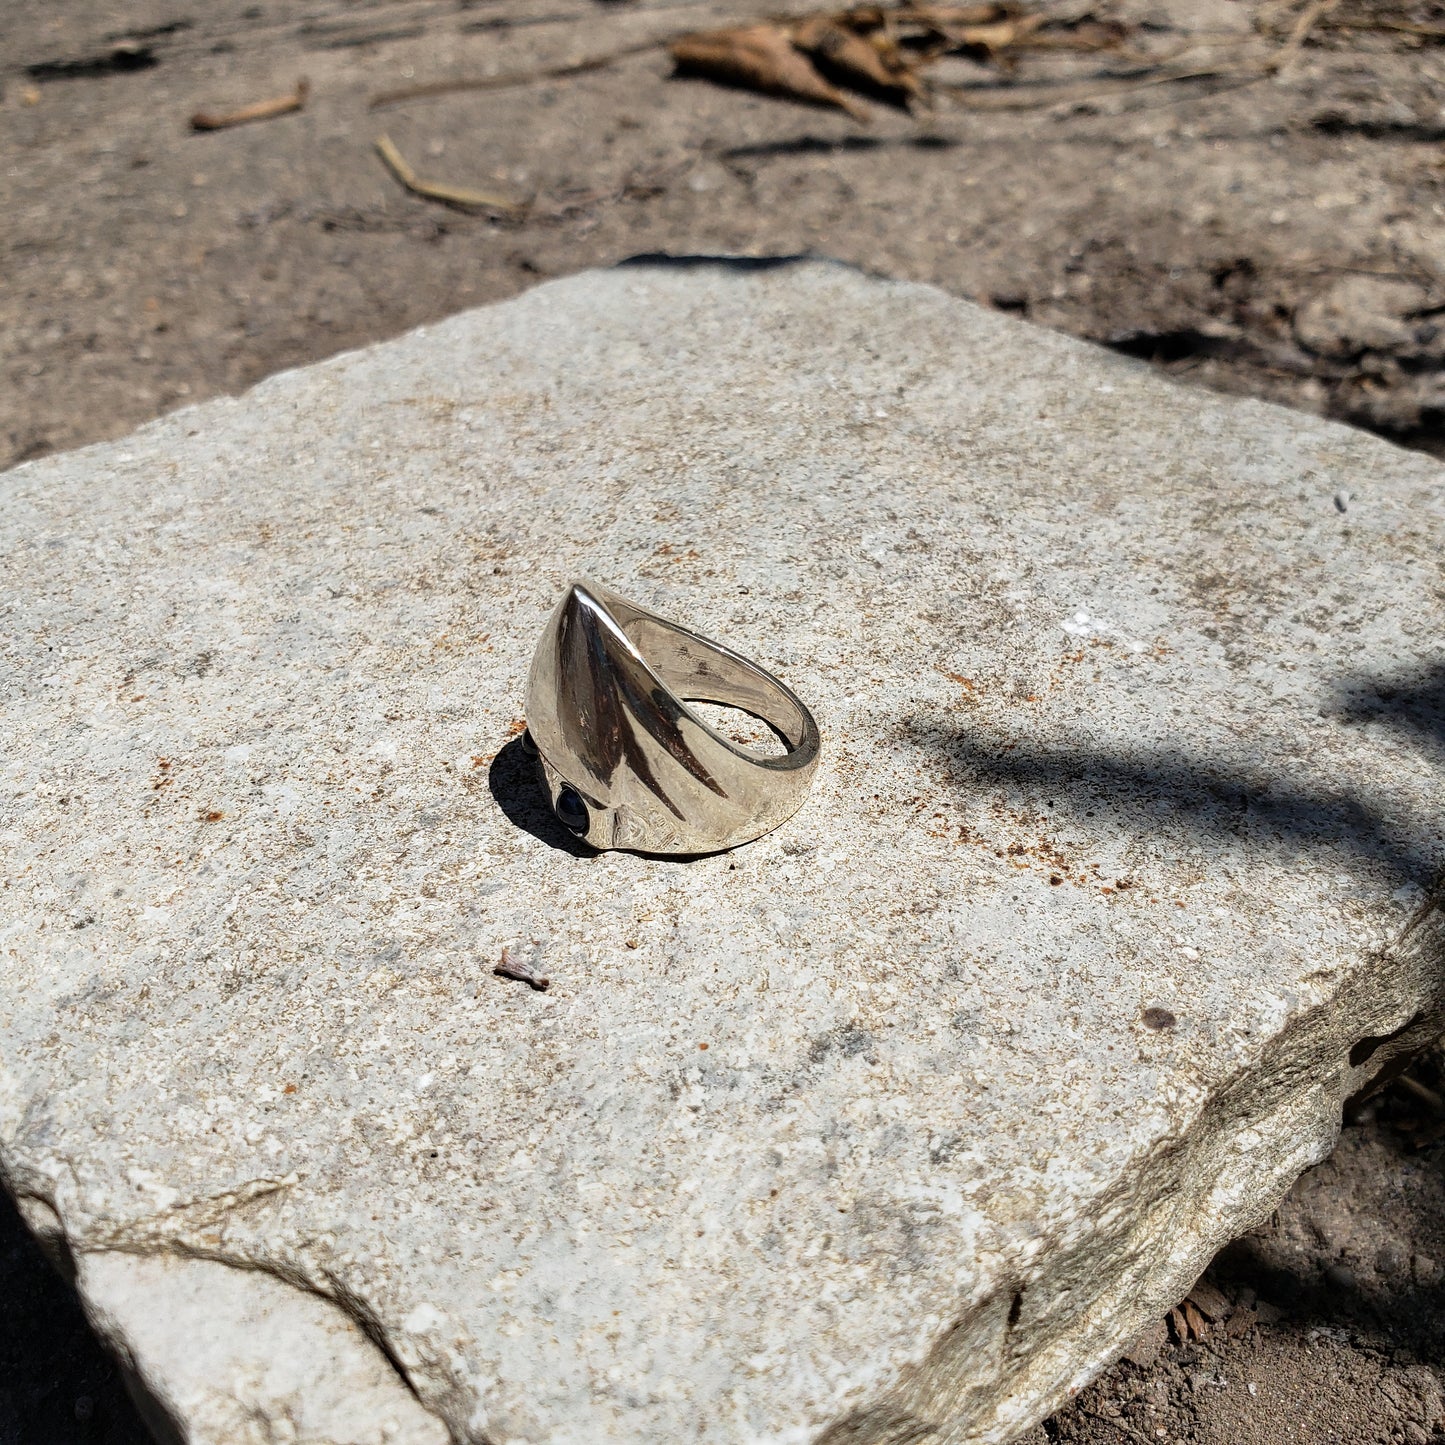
x=515 y=782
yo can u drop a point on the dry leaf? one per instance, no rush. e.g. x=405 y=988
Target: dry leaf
x=1087 y=34
x=880 y=50
x=1209 y=1301
x=1198 y=1328
x=762 y=58
x=946 y=17
x=869 y=64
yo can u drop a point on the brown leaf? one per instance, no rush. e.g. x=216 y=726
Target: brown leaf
x=1209 y=1301
x=1093 y=34
x=872 y=63
x=1178 y=1326
x=1195 y=1321
x=1084 y=35
x=762 y=58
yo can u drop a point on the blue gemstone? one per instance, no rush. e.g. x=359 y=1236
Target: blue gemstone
x=572 y=811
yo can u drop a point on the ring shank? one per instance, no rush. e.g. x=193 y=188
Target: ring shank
x=697 y=670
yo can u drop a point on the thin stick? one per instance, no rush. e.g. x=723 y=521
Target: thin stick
x=1423 y=1091
x=257 y=110
x=1400 y=27
x=1309 y=17
x=439 y=190
x=1008 y=98
x=515 y=78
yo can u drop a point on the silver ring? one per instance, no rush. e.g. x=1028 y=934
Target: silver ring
x=627 y=764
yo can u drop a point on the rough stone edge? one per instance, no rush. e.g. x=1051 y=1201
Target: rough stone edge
x=1005 y=1366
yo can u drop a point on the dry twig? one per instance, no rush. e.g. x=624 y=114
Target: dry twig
x=257 y=110
x=1003 y=98
x=1424 y=1093
x=1309 y=17
x=448 y=195
x=511 y=79
x=1395 y=27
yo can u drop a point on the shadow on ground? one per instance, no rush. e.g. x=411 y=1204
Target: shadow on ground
x=58 y=1386
x=1409 y=703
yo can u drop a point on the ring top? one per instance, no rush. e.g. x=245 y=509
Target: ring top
x=626 y=762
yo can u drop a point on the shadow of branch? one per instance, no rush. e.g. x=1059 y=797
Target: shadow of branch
x=1411 y=703
x=1159 y=790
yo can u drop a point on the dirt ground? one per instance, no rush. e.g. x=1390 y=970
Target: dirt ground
x=1250 y=193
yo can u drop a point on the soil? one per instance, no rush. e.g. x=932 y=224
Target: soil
x=1325 y=1325
x=1273 y=225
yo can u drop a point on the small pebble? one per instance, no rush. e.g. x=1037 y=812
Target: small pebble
x=1342 y=501
x=1391 y=1260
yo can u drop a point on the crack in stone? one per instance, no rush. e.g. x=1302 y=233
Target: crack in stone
x=192 y=1215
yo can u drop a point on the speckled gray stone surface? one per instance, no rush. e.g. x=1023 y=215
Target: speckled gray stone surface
x=904 y=1118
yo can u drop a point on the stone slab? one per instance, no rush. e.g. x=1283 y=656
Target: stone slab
x=897 y=1123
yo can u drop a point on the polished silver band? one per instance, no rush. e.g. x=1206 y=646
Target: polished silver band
x=627 y=763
